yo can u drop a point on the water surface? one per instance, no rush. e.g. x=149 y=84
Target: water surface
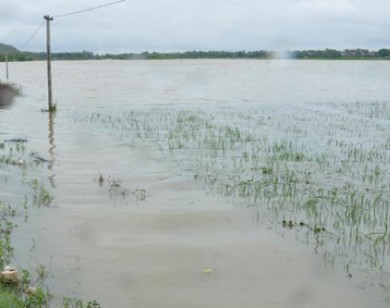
x=126 y=120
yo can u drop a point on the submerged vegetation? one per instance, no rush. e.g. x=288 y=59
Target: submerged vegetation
x=320 y=170
x=20 y=287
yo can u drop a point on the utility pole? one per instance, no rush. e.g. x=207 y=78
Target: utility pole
x=6 y=65
x=49 y=81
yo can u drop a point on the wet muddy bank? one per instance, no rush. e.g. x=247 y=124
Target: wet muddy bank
x=8 y=92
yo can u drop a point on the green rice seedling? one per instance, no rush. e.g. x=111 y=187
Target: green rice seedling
x=140 y=194
x=321 y=164
x=41 y=196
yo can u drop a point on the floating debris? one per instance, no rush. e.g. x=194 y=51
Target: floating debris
x=101 y=180
x=39 y=158
x=115 y=184
x=318 y=229
x=16 y=140
x=30 y=290
x=10 y=275
x=290 y=224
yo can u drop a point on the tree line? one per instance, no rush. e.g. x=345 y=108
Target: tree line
x=331 y=54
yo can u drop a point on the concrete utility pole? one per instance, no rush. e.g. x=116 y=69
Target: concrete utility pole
x=6 y=65
x=49 y=81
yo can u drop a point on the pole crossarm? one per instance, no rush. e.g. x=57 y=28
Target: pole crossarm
x=47 y=17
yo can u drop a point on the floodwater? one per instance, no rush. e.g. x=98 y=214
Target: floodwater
x=149 y=235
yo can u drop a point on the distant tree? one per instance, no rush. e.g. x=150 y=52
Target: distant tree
x=384 y=53
x=331 y=54
x=16 y=55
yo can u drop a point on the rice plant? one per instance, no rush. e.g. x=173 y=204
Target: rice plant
x=324 y=166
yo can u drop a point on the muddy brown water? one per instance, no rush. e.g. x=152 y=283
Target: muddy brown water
x=179 y=247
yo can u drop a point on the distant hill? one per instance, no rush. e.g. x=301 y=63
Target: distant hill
x=9 y=48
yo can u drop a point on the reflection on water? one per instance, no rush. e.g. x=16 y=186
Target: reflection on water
x=52 y=146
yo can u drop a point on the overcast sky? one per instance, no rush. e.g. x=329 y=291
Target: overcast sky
x=180 y=25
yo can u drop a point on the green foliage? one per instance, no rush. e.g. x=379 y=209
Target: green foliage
x=53 y=108
x=317 y=54
x=6 y=227
x=384 y=53
x=16 y=55
x=41 y=196
x=38 y=299
x=68 y=302
x=8 y=299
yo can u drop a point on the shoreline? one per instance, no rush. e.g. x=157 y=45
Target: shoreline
x=7 y=94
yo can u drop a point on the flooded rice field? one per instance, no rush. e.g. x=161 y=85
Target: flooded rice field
x=207 y=183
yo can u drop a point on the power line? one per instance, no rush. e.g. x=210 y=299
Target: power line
x=67 y=14
x=90 y=9
x=32 y=36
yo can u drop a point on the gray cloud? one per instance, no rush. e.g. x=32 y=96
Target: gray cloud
x=176 y=25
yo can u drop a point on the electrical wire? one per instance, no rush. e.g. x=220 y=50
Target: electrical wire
x=67 y=14
x=90 y=9
x=32 y=36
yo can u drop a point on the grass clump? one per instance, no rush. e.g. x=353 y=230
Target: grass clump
x=9 y=299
